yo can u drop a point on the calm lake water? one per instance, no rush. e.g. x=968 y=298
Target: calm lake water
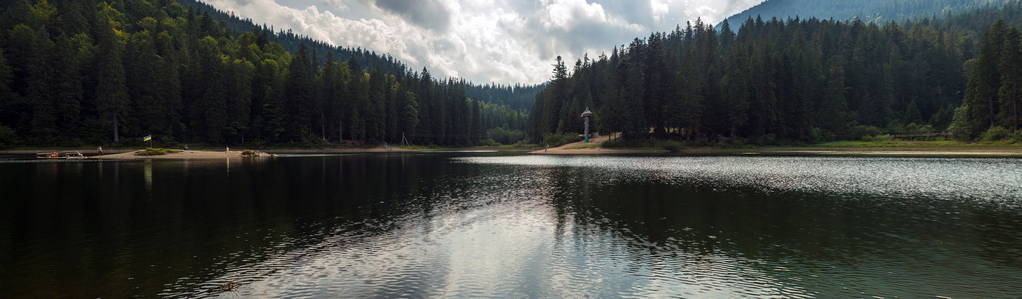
x=478 y=225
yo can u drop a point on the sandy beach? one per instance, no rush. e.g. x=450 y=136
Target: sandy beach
x=379 y=149
x=184 y=155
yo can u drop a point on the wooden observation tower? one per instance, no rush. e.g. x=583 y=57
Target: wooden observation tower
x=586 y=116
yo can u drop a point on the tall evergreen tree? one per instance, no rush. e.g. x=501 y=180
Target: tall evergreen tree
x=1010 y=91
x=111 y=90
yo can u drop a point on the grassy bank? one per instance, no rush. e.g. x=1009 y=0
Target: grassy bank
x=915 y=144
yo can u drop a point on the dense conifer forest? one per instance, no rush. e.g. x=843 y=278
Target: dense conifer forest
x=109 y=72
x=879 y=11
x=797 y=81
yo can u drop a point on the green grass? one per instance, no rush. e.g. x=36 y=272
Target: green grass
x=647 y=144
x=156 y=151
x=502 y=147
x=585 y=146
x=912 y=144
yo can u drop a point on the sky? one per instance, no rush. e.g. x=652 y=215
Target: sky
x=484 y=41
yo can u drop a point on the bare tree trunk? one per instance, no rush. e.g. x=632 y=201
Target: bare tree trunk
x=116 y=135
x=1014 y=108
x=993 y=116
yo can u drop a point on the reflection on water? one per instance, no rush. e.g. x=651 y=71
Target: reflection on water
x=474 y=225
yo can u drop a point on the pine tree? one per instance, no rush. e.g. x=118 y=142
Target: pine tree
x=66 y=86
x=1010 y=92
x=209 y=109
x=300 y=96
x=834 y=105
x=735 y=86
x=111 y=90
x=981 y=93
x=409 y=114
x=8 y=111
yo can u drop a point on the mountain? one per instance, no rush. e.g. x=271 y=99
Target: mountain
x=291 y=41
x=515 y=97
x=880 y=11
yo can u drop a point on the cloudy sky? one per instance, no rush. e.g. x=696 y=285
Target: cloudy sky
x=503 y=41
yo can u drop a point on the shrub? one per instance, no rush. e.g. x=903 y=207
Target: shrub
x=156 y=151
x=7 y=137
x=489 y=142
x=1018 y=136
x=768 y=139
x=503 y=135
x=672 y=146
x=621 y=142
x=883 y=137
x=552 y=140
x=861 y=132
x=996 y=134
x=669 y=145
x=914 y=128
x=959 y=127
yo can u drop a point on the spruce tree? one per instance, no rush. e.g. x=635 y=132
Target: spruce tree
x=111 y=89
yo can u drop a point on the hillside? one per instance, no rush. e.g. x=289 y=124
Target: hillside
x=96 y=72
x=879 y=11
x=515 y=97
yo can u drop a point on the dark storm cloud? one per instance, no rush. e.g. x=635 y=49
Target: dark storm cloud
x=429 y=14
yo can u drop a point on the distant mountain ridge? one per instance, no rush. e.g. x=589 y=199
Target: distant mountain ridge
x=517 y=97
x=879 y=11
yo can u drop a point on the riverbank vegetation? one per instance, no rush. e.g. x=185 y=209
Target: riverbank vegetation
x=798 y=82
x=156 y=151
x=96 y=72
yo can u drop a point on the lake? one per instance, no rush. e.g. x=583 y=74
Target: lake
x=492 y=224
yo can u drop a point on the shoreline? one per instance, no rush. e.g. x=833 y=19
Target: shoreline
x=595 y=148
x=282 y=150
x=585 y=149
x=974 y=152
x=998 y=152
x=183 y=155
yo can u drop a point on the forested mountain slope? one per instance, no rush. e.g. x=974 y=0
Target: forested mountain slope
x=518 y=97
x=881 y=11
x=98 y=72
x=806 y=80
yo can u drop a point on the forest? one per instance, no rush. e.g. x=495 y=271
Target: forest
x=795 y=81
x=109 y=72
x=994 y=90
x=878 y=11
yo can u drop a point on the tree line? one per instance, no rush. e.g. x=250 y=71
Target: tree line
x=793 y=81
x=994 y=90
x=878 y=11
x=99 y=72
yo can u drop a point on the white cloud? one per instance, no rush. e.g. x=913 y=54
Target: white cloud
x=505 y=41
